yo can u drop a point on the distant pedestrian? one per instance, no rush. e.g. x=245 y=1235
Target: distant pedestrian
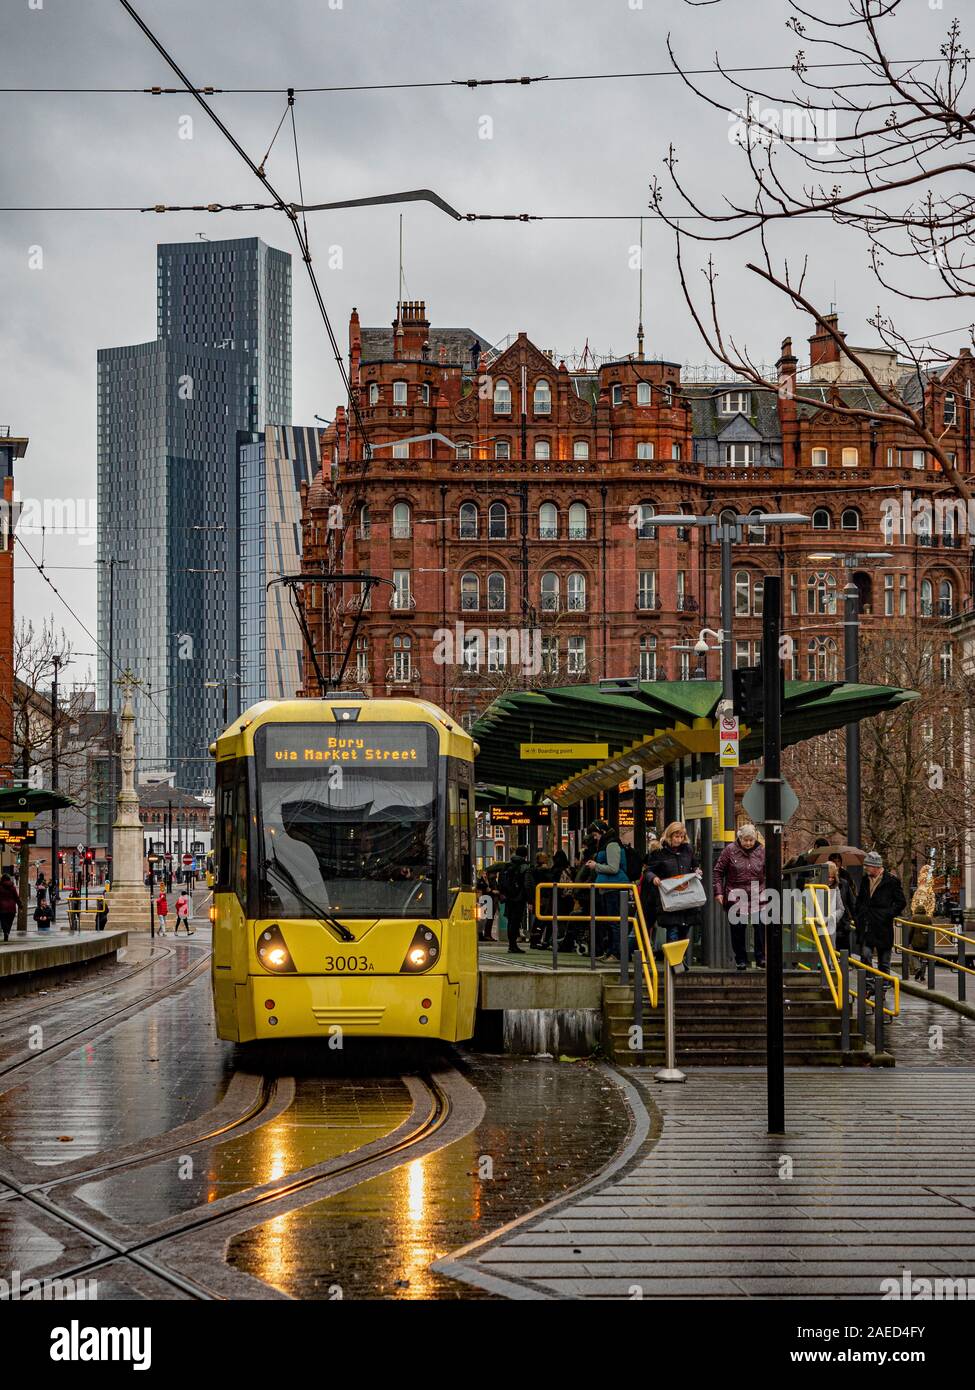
x=609 y=866
x=43 y=915
x=879 y=901
x=101 y=912
x=739 y=887
x=162 y=911
x=922 y=916
x=540 y=930
x=9 y=904
x=183 y=914
x=841 y=906
x=513 y=886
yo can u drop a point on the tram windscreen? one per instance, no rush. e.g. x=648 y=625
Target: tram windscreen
x=347 y=819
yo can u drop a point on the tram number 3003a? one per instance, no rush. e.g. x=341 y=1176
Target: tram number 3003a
x=357 y=964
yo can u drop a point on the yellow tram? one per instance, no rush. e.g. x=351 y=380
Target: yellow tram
x=343 y=895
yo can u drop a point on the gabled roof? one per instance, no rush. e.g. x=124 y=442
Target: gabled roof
x=377 y=344
x=708 y=423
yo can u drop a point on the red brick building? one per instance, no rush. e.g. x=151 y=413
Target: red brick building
x=528 y=520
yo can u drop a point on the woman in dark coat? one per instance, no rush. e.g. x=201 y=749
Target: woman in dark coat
x=675 y=856
x=9 y=904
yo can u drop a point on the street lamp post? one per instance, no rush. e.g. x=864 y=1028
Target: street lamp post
x=726 y=533
x=109 y=839
x=851 y=673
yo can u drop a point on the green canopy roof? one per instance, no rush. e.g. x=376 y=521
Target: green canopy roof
x=677 y=715
x=25 y=799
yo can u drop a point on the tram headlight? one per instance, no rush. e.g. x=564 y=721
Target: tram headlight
x=273 y=952
x=423 y=951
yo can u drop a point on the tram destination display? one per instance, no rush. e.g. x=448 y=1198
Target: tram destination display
x=370 y=745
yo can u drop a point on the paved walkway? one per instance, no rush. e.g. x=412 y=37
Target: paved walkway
x=875 y=1175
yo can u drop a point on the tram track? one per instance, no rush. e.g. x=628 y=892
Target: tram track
x=373 y=1156
x=92 y=1028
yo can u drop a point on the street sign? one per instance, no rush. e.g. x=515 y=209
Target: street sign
x=81 y=849
x=728 y=740
x=754 y=801
x=697 y=800
x=553 y=751
x=187 y=859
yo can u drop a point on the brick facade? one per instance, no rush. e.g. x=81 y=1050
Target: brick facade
x=541 y=519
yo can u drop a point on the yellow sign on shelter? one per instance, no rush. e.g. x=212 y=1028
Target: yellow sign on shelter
x=550 y=751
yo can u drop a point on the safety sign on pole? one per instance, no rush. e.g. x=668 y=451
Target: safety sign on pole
x=728 y=741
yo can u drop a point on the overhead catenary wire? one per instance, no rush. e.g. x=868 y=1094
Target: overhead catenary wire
x=457 y=82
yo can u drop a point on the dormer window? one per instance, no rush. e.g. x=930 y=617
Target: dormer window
x=617 y=390
x=951 y=409
x=399 y=393
x=425 y=393
x=502 y=397
x=643 y=393
x=735 y=403
x=542 y=402
x=374 y=393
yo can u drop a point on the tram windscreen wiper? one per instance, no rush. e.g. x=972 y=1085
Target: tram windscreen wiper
x=325 y=918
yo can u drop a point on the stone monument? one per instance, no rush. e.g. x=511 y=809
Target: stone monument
x=129 y=899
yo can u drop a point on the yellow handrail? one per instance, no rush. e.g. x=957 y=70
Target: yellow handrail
x=640 y=929
x=938 y=927
x=818 y=920
x=862 y=965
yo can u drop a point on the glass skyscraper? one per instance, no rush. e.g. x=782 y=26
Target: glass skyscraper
x=169 y=414
x=272 y=468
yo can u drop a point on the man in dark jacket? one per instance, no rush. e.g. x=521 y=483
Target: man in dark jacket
x=739 y=883
x=880 y=899
x=513 y=883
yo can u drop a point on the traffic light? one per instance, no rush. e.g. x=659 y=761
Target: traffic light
x=747 y=699
x=60 y=856
x=89 y=855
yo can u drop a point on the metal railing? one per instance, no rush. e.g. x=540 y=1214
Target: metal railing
x=645 y=965
x=836 y=968
x=960 y=966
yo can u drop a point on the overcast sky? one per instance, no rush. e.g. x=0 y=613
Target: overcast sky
x=560 y=148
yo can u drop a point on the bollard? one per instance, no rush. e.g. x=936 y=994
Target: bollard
x=844 y=1001
x=555 y=927
x=624 y=905
x=638 y=992
x=674 y=952
x=961 y=973
x=862 y=1004
x=592 y=926
x=931 y=964
x=905 y=958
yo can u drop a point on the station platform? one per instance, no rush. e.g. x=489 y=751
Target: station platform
x=54 y=954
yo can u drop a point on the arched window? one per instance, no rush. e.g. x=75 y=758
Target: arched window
x=821 y=593
x=822 y=520
x=470 y=593
x=576 y=590
x=543 y=449
x=402 y=658
x=550 y=591
x=399 y=392
x=580 y=449
x=643 y=393
x=924 y=528
x=756 y=534
x=668 y=394
x=468 y=521
x=927 y=599
x=646 y=531
x=758 y=595
x=463 y=449
x=401 y=521
x=850 y=520
x=365 y=524
x=742 y=594
x=548 y=521
x=502 y=448
x=578 y=521
x=946 y=598
x=374 y=393
x=497 y=591
x=542 y=400
x=821 y=659
x=498 y=522
x=728 y=517
x=502 y=396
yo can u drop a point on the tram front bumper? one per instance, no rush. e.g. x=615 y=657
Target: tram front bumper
x=301 y=1006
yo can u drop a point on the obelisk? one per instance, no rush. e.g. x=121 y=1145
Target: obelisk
x=129 y=899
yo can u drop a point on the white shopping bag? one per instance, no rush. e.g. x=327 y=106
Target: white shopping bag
x=681 y=893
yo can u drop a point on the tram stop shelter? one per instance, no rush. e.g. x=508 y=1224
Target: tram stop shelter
x=575 y=746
